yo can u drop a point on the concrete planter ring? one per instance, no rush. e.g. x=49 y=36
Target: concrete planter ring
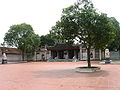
x=87 y=69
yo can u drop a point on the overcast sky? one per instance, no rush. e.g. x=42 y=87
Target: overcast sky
x=42 y=14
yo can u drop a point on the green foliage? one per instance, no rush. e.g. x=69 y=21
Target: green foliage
x=64 y=31
x=116 y=43
x=83 y=22
x=46 y=40
x=56 y=33
x=23 y=37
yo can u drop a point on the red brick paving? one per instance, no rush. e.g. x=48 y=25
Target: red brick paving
x=58 y=76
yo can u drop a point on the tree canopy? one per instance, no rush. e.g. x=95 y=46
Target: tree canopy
x=46 y=40
x=82 y=21
x=115 y=45
x=23 y=37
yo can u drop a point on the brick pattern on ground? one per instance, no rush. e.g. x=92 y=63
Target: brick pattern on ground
x=58 y=76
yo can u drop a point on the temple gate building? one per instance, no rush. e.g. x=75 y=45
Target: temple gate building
x=69 y=52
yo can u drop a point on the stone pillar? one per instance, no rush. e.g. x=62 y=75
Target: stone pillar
x=35 y=56
x=80 y=53
x=57 y=54
x=94 y=54
x=64 y=54
x=74 y=53
x=50 y=54
x=67 y=55
x=45 y=55
x=100 y=56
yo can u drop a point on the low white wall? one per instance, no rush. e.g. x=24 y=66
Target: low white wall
x=14 y=57
x=114 y=55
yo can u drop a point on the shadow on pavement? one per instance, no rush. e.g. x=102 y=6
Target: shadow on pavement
x=68 y=73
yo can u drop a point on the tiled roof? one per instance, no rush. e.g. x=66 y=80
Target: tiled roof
x=62 y=47
x=10 y=50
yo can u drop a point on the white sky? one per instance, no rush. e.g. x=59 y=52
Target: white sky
x=42 y=14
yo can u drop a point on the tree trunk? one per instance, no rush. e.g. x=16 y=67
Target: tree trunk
x=88 y=56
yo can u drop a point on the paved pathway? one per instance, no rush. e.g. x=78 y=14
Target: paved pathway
x=58 y=76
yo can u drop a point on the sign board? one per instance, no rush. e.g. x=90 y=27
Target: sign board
x=107 y=53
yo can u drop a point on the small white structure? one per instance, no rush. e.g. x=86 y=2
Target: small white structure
x=11 y=54
x=107 y=53
x=4 y=59
x=43 y=54
x=4 y=56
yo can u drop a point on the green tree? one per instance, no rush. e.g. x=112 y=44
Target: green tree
x=91 y=28
x=57 y=33
x=23 y=37
x=65 y=30
x=116 y=43
x=46 y=40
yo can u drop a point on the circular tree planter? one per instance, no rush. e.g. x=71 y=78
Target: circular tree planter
x=87 y=69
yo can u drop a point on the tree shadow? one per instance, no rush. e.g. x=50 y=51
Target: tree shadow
x=68 y=73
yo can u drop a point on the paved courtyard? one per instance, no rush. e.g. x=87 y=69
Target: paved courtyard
x=58 y=76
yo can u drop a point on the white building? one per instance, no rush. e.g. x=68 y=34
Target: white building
x=67 y=52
